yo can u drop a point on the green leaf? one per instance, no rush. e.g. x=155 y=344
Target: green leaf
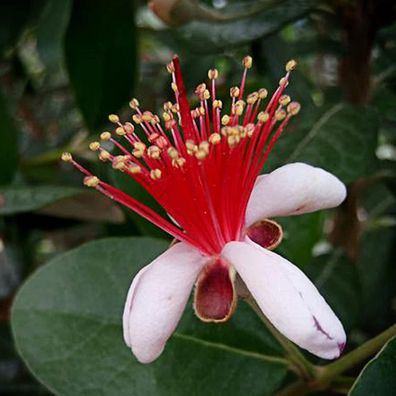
x=51 y=30
x=341 y=140
x=9 y=144
x=338 y=281
x=378 y=378
x=24 y=199
x=100 y=52
x=67 y=325
x=215 y=37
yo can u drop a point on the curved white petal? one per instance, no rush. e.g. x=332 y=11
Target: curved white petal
x=294 y=189
x=288 y=299
x=156 y=300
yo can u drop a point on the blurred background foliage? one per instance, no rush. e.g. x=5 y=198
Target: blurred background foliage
x=65 y=65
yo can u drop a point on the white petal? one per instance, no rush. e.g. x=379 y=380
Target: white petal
x=156 y=300
x=288 y=299
x=294 y=189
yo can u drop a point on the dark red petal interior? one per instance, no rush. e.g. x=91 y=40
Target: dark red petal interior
x=215 y=297
x=266 y=233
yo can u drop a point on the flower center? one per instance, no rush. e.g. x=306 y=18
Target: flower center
x=200 y=165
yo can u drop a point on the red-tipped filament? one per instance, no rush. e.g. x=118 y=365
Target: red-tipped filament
x=200 y=164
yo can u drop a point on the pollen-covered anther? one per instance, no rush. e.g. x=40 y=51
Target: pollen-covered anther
x=94 y=146
x=178 y=162
x=137 y=119
x=155 y=120
x=284 y=81
x=67 y=157
x=175 y=108
x=128 y=127
x=234 y=92
x=213 y=74
x=174 y=87
x=154 y=152
x=263 y=116
x=166 y=116
x=239 y=107
x=225 y=119
x=119 y=162
x=134 y=104
x=201 y=154
x=191 y=147
x=233 y=140
x=120 y=131
x=217 y=104
x=155 y=174
x=167 y=106
x=280 y=115
x=153 y=137
x=170 y=67
x=204 y=145
x=215 y=138
x=252 y=98
x=200 y=89
x=293 y=108
x=114 y=118
x=135 y=169
x=105 y=136
x=249 y=128
x=291 y=65
x=104 y=155
x=263 y=93
x=161 y=142
x=173 y=153
x=247 y=62
x=139 y=149
x=284 y=100
x=147 y=116
x=91 y=181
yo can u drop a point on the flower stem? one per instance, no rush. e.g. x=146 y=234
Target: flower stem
x=331 y=371
x=302 y=366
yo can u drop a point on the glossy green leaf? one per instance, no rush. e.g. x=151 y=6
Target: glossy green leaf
x=51 y=29
x=342 y=140
x=24 y=199
x=216 y=36
x=67 y=326
x=378 y=377
x=100 y=52
x=9 y=144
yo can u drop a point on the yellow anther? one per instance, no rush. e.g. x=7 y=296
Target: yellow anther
x=201 y=154
x=217 y=104
x=239 y=107
x=119 y=162
x=67 y=157
x=154 y=152
x=139 y=146
x=200 y=88
x=206 y=94
x=137 y=119
x=175 y=108
x=215 y=138
x=114 y=118
x=234 y=92
x=252 y=98
x=120 y=131
x=134 y=104
x=104 y=155
x=174 y=87
x=249 y=130
x=247 y=62
x=291 y=65
x=147 y=116
x=134 y=169
x=204 y=145
x=263 y=116
x=233 y=140
x=284 y=81
x=178 y=162
x=191 y=147
x=170 y=67
x=166 y=116
x=170 y=124
x=280 y=115
x=161 y=142
x=138 y=153
x=91 y=181
x=153 y=137
x=225 y=119
x=201 y=111
x=293 y=108
x=213 y=74
x=262 y=92
x=284 y=100
x=105 y=136
x=155 y=119
x=129 y=128
x=94 y=146
x=167 y=106
x=155 y=174
x=173 y=153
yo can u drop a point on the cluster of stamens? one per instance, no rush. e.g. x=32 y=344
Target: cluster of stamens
x=197 y=157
